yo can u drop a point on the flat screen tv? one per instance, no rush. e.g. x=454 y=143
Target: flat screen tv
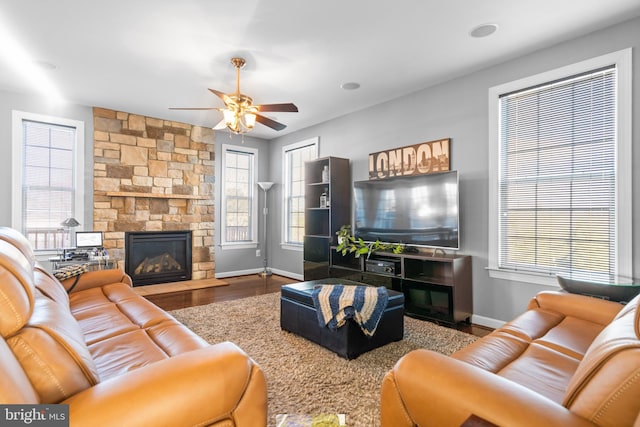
x=419 y=210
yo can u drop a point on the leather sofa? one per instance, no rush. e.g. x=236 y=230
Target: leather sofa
x=112 y=356
x=569 y=360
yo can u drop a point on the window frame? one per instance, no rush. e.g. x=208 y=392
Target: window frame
x=18 y=117
x=253 y=242
x=622 y=60
x=286 y=174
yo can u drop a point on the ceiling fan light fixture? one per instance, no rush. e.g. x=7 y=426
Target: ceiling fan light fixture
x=240 y=114
x=249 y=119
x=230 y=118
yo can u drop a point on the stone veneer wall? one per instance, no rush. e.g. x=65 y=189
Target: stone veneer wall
x=139 y=155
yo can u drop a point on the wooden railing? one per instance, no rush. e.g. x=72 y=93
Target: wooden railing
x=48 y=238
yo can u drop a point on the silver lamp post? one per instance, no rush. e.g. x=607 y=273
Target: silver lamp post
x=265 y=186
x=68 y=224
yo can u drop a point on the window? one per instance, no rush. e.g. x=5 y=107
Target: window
x=48 y=175
x=560 y=164
x=294 y=156
x=239 y=204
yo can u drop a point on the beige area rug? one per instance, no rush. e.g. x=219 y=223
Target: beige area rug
x=302 y=377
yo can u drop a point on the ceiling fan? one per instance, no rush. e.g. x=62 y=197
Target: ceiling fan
x=240 y=115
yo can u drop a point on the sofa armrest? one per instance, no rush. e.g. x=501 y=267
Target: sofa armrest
x=432 y=390
x=96 y=279
x=195 y=388
x=574 y=305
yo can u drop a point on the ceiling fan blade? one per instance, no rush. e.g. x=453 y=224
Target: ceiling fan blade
x=269 y=122
x=287 y=107
x=193 y=108
x=221 y=125
x=221 y=95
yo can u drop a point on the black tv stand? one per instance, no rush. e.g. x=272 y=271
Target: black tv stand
x=436 y=285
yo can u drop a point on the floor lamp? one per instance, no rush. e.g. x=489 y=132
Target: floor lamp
x=265 y=186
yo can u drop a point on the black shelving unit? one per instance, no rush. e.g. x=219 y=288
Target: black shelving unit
x=322 y=222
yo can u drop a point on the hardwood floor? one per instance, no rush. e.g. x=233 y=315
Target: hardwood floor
x=172 y=296
x=180 y=295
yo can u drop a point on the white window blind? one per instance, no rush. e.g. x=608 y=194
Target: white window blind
x=238 y=196
x=557 y=182
x=48 y=189
x=294 y=158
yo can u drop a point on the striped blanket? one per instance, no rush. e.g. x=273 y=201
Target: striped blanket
x=337 y=303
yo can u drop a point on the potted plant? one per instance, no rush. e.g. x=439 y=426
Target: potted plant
x=347 y=243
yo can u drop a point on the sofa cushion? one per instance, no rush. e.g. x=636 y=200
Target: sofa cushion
x=43 y=280
x=124 y=331
x=606 y=384
x=543 y=370
x=16 y=289
x=15 y=386
x=52 y=351
x=494 y=352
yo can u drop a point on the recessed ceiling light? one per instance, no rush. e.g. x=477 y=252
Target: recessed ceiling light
x=350 y=86
x=45 y=65
x=483 y=30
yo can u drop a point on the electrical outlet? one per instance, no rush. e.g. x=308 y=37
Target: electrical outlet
x=257 y=252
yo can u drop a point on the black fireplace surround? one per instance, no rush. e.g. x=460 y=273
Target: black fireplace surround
x=158 y=256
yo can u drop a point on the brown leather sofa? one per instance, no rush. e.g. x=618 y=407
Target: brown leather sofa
x=112 y=356
x=569 y=360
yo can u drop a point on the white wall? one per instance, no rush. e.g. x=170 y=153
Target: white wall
x=459 y=109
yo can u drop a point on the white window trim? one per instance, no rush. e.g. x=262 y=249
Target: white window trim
x=285 y=179
x=17 y=159
x=623 y=61
x=254 y=200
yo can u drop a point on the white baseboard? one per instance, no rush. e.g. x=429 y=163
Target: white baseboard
x=237 y=273
x=287 y=274
x=256 y=271
x=486 y=321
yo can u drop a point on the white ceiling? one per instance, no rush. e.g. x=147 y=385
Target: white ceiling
x=144 y=56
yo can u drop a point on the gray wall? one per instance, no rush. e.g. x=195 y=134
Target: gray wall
x=459 y=109
x=34 y=104
x=232 y=262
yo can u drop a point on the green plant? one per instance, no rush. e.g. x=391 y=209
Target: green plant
x=347 y=243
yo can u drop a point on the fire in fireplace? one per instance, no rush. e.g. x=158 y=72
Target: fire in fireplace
x=158 y=256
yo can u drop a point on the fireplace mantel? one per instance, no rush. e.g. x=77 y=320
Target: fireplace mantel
x=155 y=195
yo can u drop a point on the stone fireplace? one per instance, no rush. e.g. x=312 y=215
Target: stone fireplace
x=154 y=175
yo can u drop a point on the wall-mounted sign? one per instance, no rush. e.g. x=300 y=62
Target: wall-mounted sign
x=418 y=159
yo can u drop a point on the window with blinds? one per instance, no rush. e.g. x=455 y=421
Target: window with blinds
x=557 y=177
x=48 y=186
x=295 y=156
x=239 y=208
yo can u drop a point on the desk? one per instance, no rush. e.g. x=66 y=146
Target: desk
x=93 y=264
